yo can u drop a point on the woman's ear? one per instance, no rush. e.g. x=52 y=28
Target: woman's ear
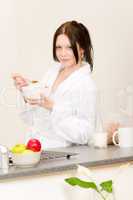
x=81 y=53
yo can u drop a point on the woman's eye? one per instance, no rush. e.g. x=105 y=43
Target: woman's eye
x=58 y=47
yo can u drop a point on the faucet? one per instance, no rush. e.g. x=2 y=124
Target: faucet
x=4 y=157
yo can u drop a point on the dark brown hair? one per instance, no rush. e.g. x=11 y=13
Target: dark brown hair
x=77 y=33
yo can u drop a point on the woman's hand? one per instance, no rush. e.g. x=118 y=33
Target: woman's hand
x=111 y=128
x=20 y=81
x=44 y=102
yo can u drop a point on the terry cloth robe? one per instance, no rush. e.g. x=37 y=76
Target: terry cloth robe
x=72 y=119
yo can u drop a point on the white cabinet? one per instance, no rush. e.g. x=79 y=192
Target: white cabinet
x=53 y=187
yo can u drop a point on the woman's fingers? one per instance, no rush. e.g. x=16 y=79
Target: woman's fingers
x=33 y=101
x=15 y=75
x=19 y=81
x=44 y=102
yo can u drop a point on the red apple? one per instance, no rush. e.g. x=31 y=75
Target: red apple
x=34 y=145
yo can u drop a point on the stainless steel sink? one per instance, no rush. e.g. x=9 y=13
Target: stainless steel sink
x=48 y=155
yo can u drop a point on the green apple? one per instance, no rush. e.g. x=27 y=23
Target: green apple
x=18 y=148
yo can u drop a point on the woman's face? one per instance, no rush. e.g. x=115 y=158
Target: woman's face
x=64 y=51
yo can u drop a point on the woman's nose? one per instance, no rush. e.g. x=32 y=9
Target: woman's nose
x=63 y=52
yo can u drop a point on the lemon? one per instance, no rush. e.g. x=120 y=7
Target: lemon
x=18 y=148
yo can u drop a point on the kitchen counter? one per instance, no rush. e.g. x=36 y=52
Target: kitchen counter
x=89 y=157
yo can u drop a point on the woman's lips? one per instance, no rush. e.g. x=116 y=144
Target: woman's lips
x=64 y=60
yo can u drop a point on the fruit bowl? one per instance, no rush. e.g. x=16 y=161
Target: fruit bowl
x=26 y=159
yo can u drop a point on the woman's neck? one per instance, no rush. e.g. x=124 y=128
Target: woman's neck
x=71 y=68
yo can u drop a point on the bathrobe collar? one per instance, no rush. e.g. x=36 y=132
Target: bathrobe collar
x=67 y=83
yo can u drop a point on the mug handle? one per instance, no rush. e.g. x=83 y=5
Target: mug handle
x=114 y=138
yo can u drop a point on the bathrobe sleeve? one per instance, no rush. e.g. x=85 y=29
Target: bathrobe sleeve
x=74 y=120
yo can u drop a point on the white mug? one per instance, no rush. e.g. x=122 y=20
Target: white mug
x=100 y=140
x=125 y=137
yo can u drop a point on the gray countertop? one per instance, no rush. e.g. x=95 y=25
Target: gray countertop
x=85 y=156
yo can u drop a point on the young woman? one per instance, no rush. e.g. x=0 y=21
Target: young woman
x=66 y=115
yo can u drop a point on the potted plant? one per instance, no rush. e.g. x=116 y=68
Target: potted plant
x=102 y=191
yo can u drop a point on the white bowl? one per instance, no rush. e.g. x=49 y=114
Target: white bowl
x=32 y=91
x=26 y=159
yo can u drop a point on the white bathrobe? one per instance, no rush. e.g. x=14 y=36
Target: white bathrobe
x=72 y=119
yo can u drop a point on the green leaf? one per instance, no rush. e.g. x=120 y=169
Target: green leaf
x=107 y=186
x=72 y=181
x=84 y=184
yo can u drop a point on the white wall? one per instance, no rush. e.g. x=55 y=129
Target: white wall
x=26 y=31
